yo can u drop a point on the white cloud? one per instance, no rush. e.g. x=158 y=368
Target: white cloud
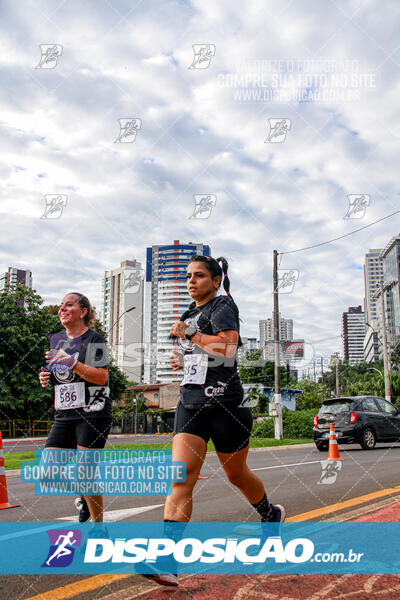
x=197 y=138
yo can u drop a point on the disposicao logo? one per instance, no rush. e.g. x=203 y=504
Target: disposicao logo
x=62 y=547
x=190 y=550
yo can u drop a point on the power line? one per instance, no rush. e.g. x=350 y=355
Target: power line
x=342 y=236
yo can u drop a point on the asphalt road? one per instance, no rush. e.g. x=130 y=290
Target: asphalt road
x=290 y=475
x=26 y=446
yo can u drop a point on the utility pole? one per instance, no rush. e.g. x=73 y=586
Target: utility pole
x=337 y=373
x=278 y=425
x=385 y=350
x=314 y=372
x=322 y=370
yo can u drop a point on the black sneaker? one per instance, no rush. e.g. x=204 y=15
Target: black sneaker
x=84 y=513
x=268 y=527
x=278 y=514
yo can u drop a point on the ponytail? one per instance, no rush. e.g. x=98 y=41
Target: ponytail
x=224 y=268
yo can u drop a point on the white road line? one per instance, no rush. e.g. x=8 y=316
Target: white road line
x=310 y=462
x=128 y=512
x=118 y=515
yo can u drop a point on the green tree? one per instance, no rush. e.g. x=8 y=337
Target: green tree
x=24 y=330
x=362 y=379
x=257 y=370
x=395 y=356
x=313 y=395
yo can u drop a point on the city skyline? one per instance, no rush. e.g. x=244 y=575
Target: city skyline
x=308 y=357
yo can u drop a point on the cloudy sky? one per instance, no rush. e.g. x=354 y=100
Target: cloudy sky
x=278 y=111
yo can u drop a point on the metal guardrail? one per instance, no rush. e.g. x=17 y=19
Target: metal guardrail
x=24 y=428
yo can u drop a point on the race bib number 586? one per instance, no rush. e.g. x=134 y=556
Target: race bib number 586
x=70 y=395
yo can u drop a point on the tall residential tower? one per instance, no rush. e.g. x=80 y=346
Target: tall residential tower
x=353 y=333
x=166 y=298
x=122 y=317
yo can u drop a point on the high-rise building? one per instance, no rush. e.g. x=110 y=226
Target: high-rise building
x=166 y=298
x=267 y=330
x=14 y=276
x=391 y=273
x=122 y=317
x=353 y=333
x=11 y=278
x=373 y=273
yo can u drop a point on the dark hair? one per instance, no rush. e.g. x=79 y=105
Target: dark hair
x=83 y=302
x=217 y=270
x=212 y=265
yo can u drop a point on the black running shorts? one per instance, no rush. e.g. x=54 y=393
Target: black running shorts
x=88 y=433
x=227 y=425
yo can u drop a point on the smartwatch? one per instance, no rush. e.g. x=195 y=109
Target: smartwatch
x=190 y=331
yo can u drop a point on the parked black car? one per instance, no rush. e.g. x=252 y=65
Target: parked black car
x=363 y=420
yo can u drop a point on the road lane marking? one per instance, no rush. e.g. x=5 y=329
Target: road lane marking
x=117 y=515
x=310 y=462
x=318 y=512
x=364 y=510
x=78 y=587
x=26 y=532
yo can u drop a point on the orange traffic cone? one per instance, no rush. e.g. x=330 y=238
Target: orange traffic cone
x=4 y=503
x=333 y=453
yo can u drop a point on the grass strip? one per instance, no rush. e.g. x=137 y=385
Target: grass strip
x=12 y=460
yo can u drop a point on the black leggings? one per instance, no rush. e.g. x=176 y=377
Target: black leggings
x=228 y=425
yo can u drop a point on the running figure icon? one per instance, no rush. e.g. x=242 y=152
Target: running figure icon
x=62 y=550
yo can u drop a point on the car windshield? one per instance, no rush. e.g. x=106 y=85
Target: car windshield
x=335 y=408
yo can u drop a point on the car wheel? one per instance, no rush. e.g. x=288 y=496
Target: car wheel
x=368 y=439
x=322 y=447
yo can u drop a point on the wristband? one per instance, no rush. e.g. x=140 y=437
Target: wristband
x=74 y=364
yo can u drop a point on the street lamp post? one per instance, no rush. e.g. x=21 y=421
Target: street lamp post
x=377 y=370
x=386 y=365
x=121 y=315
x=278 y=398
x=385 y=352
x=116 y=321
x=135 y=403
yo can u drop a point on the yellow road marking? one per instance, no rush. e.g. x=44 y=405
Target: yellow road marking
x=78 y=587
x=97 y=581
x=318 y=512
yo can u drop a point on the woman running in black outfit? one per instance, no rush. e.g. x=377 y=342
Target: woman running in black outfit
x=77 y=368
x=211 y=397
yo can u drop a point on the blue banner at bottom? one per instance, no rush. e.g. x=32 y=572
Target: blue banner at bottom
x=198 y=548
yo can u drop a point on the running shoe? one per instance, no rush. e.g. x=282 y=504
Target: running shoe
x=168 y=579
x=81 y=505
x=278 y=514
